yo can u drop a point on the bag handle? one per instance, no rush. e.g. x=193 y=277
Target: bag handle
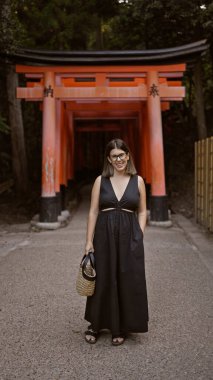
x=92 y=258
x=88 y=258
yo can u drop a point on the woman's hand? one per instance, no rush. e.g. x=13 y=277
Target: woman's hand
x=142 y=214
x=89 y=247
x=93 y=214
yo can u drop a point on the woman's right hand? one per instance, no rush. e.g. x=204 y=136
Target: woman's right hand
x=89 y=247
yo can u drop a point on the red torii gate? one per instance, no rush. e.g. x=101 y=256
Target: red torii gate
x=89 y=88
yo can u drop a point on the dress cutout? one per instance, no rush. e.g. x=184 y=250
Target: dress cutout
x=120 y=299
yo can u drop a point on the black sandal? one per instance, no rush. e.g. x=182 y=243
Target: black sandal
x=118 y=342
x=90 y=333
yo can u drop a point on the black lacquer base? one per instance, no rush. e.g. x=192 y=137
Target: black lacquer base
x=58 y=201
x=63 y=192
x=48 y=210
x=159 y=208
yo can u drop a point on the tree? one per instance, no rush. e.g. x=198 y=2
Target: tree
x=9 y=28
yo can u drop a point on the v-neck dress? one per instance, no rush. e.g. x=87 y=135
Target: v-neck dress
x=120 y=299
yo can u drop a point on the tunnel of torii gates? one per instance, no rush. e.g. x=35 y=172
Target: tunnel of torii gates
x=126 y=90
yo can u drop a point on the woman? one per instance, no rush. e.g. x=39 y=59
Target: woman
x=115 y=234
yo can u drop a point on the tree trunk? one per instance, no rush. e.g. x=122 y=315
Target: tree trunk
x=199 y=99
x=19 y=160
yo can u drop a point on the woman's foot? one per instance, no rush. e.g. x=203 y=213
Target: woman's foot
x=117 y=340
x=91 y=336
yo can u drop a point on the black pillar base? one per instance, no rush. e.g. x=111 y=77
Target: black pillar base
x=58 y=202
x=70 y=184
x=159 y=208
x=63 y=197
x=48 y=210
x=71 y=190
x=148 y=194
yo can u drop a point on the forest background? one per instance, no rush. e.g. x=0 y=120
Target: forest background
x=102 y=25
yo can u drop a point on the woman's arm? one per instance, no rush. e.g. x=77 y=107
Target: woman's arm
x=142 y=205
x=93 y=214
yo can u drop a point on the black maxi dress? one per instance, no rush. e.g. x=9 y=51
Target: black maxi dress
x=120 y=299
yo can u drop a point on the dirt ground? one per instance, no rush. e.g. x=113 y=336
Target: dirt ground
x=15 y=210
x=181 y=197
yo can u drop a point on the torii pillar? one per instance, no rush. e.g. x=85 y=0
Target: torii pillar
x=48 y=211
x=158 y=198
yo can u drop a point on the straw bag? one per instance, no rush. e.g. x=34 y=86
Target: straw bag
x=85 y=284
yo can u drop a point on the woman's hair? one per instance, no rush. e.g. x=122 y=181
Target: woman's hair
x=108 y=170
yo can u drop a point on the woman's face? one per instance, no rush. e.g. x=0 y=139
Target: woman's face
x=118 y=159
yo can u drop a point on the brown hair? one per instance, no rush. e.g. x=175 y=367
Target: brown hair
x=108 y=170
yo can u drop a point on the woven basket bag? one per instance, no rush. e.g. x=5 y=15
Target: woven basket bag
x=85 y=283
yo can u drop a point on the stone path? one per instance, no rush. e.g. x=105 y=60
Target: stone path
x=41 y=316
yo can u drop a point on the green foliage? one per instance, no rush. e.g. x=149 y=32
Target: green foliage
x=4 y=128
x=54 y=24
x=208 y=82
x=160 y=23
x=63 y=24
x=133 y=24
x=11 y=29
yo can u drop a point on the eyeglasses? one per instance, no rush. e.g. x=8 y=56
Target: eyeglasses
x=120 y=156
